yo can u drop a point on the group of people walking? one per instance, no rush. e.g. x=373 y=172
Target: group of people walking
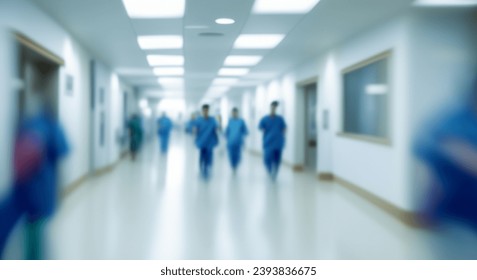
x=206 y=129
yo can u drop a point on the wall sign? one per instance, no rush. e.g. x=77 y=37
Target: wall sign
x=69 y=84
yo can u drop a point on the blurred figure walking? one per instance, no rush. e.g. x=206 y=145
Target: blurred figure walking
x=448 y=149
x=39 y=146
x=164 y=130
x=135 y=135
x=273 y=127
x=235 y=132
x=206 y=140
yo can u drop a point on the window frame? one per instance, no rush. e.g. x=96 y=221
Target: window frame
x=388 y=55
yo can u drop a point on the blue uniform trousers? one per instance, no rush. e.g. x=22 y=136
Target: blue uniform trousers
x=272 y=159
x=164 y=140
x=234 y=155
x=205 y=161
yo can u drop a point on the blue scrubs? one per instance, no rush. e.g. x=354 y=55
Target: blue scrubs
x=164 y=131
x=273 y=128
x=206 y=140
x=458 y=195
x=136 y=134
x=34 y=192
x=235 y=132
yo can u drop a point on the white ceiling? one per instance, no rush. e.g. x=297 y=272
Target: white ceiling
x=105 y=29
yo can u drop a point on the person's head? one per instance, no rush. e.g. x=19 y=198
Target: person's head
x=235 y=112
x=205 y=110
x=164 y=114
x=273 y=108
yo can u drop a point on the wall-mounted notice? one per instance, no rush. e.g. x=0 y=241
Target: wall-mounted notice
x=69 y=84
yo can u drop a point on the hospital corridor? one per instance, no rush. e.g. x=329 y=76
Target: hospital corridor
x=238 y=130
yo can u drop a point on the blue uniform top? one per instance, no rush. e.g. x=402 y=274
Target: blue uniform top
x=273 y=132
x=206 y=133
x=459 y=186
x=165 y=126
x=235 y=132
x=37 y=193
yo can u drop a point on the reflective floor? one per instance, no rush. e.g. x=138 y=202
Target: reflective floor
x=159 y=208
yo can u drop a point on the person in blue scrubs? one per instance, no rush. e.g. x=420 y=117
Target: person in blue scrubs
x=273 y=127
x=164 y=130
x=448 y=148
x=205 y=128
x=235 y=132
x=135 y=135
x=39 y=147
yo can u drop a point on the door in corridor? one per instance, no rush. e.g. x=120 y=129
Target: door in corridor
x=311 y=134
x=39 y=76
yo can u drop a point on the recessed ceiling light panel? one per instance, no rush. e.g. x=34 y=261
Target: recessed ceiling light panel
x=283 y=6
x=170 y=81
x=133 y=71
x=154 y=8
x=225 y=21
x=258 y=41
x=165 y=60
x=242 y=60
x=160 y=42
x=233 y=71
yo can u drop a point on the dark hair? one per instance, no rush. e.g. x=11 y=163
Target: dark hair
x=205 y=106
x=274 y=103
x=234 y=109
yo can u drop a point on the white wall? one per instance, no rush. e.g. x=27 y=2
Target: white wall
x=102 y=152
x=246 y=107
x=116 y=117
x=380 y=169
x=226 y=105
x=74 y=111
x=112 y=107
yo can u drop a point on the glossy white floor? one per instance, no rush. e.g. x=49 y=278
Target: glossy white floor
x=159 y=208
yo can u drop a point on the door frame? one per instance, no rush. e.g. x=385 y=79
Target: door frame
x=300 y=147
